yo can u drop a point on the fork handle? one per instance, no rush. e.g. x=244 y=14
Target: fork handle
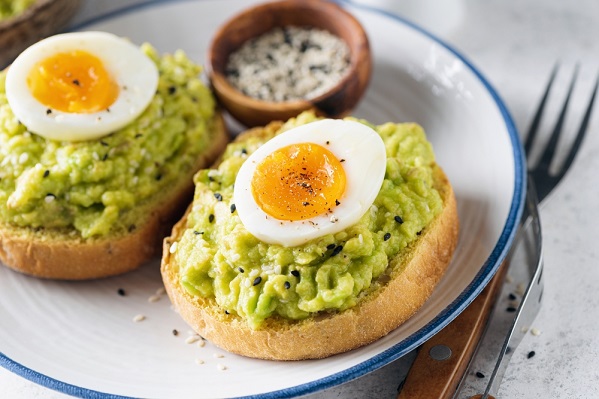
x=432 y=378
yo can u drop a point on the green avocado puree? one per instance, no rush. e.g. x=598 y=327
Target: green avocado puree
x=99 y=187
x=12 y=8
x=218 y=257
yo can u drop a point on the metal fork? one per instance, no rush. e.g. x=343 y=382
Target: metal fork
x=540 y=183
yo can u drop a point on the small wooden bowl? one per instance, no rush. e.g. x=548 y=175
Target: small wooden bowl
x=42 y=19
x=253 y=22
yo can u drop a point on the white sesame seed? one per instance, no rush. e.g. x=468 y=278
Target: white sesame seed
x=199 y=361
x=24 y=157
x=221 y=367
x=154 y=298
x=218 y=355
x=96 y=156
x=334 y=219
x=361 y=239
x=49 y=198
x=139 y=317
x=534 y=331
x=192 y=339
x=201 y=343
x=173 y=248
x=160 y=291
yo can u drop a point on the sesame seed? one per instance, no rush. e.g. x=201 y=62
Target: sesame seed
x=257 y=280
x=218 y=355
x=398 y=219
x=46 y=173
x=121 y=292
x=295 y=273
x=287 y=285
x=480 y=375
x=173 y=248
x=233 y=208
x=337 y=249
x=138 y=318
x=534 y=331
x=221 y=367
x=160 y=291
x=24 y=157
x=199 y=361
x=218 y=196
x=530 y=354
x=211 y=218
x=154 y=298
x=201 y=343
x=172 y=90
x=387 y=236
x=512 y=297
x=331 y=246
x=49 y=198
x=510 y=309
x=197 y=232
x=48 y=111
x=175 y=332
x=241 y=270
x=192 y=339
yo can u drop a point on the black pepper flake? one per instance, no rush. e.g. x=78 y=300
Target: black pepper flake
x=337 y=202
x=76 y=82
x=480 y=375
x=241 y=270
x=131 y=228
x=158 y=177
x=420 y=232
x=295 y=273
x=211 y=218
x=218 y=196
x=121 y=292
x=510 y=309
x=530 y=354
x=233 y=208
x=398 y=219
x=386 y=236
x=138 y=135
x=105 y=157
x=342 y=160
x=226 y=312
x=105 y=144
x=331 y=246
x=46 y=173
x=257 y=280
x=337 y=249
x=175 y=332
x=172 y=90
x=287 y=285
x=197 y=233
x=48 y=111
x=244 y=151
x=107 y=109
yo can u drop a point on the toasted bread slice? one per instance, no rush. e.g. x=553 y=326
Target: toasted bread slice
x=62 y=254
x=393 y=298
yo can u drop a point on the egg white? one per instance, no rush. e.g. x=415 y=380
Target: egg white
x=134 y=73
x=364 y=155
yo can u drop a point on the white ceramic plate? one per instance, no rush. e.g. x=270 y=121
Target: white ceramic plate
x=79 y=337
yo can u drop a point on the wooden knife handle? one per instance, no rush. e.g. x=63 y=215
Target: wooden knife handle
x=431 y=378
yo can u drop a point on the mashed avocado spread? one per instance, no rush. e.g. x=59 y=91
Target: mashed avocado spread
x=218 y=257
x=12 y=8
x=99 y=187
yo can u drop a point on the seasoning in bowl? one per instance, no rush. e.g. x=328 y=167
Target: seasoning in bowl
x=289 y=63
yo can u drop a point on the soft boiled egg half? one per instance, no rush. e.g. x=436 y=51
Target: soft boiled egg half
x=312 y=180
x=80 y=86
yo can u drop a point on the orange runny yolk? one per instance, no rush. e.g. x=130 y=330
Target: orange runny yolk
x=74 y=82
x=298 y=182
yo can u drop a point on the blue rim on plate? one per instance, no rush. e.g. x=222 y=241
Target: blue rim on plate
x=485 y=274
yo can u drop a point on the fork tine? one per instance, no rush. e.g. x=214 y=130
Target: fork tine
x=580 y=134
x=549 y=152
x=534 y=127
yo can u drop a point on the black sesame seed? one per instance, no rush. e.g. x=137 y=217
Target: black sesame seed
x=512 y=297
x=398 y=219
x=287 y=285
x=48 y=111
x=295 y=273
x=138 y=135
x=46 y=173
x=233 y=208
x=337 y=249
x=172 y=90
x=331 y=246
x=530 y=354
x=510 y=309
x=218 y=196
x=105 y=144
x=211 y=218
x=105 y=157
x=244 y=151
x=175 y=332
x=257 y=280
x=342 y=160
x=386 y=236
x=158 y=177
x=226 y=312
x=121 y=292
x=197 y=232
x=480 y=375
x=241 y=270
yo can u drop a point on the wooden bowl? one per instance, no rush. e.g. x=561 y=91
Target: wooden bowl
x=42 y=19
x=336 y=102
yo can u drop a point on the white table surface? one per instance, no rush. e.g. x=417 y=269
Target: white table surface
x=515 y=44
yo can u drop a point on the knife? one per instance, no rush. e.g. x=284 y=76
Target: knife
x=442 y=360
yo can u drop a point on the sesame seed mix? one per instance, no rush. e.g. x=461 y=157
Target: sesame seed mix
x=289 y=63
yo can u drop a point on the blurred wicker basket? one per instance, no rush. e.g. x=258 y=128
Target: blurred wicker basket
x=42 y=19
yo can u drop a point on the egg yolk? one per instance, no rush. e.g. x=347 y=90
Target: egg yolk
x=298 y=182
x=74 y=82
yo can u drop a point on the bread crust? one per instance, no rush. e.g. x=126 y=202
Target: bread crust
x=59 y=255
x=415 y=273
